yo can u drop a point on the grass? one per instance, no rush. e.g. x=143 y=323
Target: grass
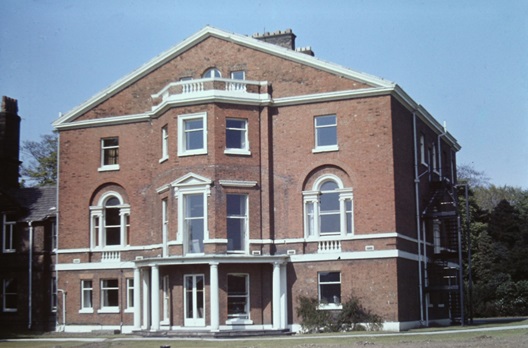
x=419 y=337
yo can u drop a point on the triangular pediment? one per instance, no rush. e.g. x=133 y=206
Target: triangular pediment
x=194 y=40
x=191 y=179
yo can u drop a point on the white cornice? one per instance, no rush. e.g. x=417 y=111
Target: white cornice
x=237 y=183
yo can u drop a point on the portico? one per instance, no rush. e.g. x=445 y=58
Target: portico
x=202 y=293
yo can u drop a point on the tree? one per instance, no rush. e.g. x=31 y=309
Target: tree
x=40 y=167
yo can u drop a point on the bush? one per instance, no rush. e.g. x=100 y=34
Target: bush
x=351 y=317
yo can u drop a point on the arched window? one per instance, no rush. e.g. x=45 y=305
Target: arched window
x=328 y=208
x=211 y=72
x=110 y=222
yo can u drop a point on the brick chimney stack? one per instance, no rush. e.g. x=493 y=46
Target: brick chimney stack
x=284 y=38
x=9 y=143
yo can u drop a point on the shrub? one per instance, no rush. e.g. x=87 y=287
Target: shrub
x=353 y=316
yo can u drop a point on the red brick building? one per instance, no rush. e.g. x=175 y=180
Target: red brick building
x=213 y=186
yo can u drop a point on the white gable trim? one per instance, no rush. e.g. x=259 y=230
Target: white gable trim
x=196 y=38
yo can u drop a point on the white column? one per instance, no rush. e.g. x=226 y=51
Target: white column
x=137 y=299
x=155 y=295
x=276 y=295
x=214 y=303
x=146 y=299
x=284 y=296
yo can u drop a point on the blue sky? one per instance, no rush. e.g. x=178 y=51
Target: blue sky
x=466 y=62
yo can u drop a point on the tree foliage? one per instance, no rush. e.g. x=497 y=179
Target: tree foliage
x=499 y=246
x=39 y=167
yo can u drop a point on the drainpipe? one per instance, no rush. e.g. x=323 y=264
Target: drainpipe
x=63 y=308
x=440 y=169
x=30 y=273
x=418 y=223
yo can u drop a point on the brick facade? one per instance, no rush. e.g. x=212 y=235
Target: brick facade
x=375 y=251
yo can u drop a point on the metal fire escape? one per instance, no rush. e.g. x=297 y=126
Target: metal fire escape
x=445 y=270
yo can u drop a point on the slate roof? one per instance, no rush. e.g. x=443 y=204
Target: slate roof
x=36 y=203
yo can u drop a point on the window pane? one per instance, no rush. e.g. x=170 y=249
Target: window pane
x=330 y=202
x=325 y=120
x=113 y=236
x=327 y=136
x=329 y=277
x=110 y=142
x=235 y=234
x=330 y=223
x=194 y=140
x=330 y=293
x=194 y=205
x=194 y=124
x=237 y=296
x=329 y=186
x=234 y=139
x=238 y=75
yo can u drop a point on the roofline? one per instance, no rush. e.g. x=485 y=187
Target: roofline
x=200 y=36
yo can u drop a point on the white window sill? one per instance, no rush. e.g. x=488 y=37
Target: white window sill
x=9 y=251
x=326 y=149
x=329 y=307
x=238 y=321
x=242 y=152
x=86 y=311
x=163 y=159
x=109 y=168
x=10 y=310
x=108 y=310
x=192 y=153
x=129 y=310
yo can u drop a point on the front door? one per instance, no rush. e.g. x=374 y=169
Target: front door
x=194 y=300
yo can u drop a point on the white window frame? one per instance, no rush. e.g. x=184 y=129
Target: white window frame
x=324 y=148
x=53 y=293
x=423 y=151
x=434 y=158
x=245 y=221
x=86 y=287
x=165 y=225
x=182 y=134
x=104 y=148
x=212 y=73
x=337 y=304
x=187 y=185
x=165 y=282
x=164 y=144
x=105 y=288
x=8 y=234
x=97 y=223
x=240 y=318
x=54 y=236
x=5 y=294
x=129 y=295
x=312 y=223
x=243 y=150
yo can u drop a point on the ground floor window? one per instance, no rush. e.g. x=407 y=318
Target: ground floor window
x=109 y=295
x=10 y=295
x=329 y=289
x=238 y=296
x=194 y=300
x=86 y=295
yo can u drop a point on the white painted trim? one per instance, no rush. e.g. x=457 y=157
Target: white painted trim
x=93 y=266
x=237 y=183
x=355 y=255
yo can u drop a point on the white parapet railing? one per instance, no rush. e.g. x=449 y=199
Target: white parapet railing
x=192 y=88
x=111 y=256
x=329 y=246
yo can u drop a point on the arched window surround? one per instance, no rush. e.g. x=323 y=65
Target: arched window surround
x=328 y=209
x=211 y=73
x=109 y=222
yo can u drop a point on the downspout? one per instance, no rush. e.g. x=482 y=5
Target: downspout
x=440 y=169
x=30 y=274
x=63 y=308
x=418 y=223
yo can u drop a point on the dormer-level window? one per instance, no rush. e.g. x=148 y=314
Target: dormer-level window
x=325 y=133
x=237 y=75
x=109 y=154
x=211 y=73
